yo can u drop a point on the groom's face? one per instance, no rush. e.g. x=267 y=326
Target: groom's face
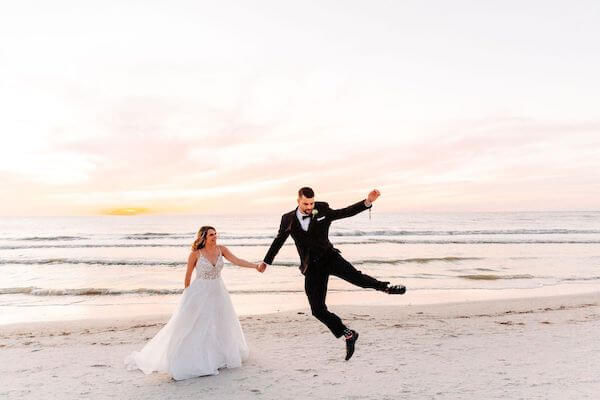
x=306 y=205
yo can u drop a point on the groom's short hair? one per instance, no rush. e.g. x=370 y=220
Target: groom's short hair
x=306 y=192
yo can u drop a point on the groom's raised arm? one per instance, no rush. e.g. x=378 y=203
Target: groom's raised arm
x=356 y=207
x=282 y=235
x=349 y=211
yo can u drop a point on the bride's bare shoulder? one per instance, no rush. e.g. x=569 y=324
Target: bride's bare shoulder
x=193 y=255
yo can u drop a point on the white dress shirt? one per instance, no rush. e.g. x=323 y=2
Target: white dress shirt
x=304 y=222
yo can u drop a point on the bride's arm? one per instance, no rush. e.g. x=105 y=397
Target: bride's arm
x=190 y=267
x=237 y=261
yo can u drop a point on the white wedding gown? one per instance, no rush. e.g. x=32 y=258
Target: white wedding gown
x=203 y=334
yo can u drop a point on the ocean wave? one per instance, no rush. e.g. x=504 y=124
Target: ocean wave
x=132 y=245
x=465 y=232
x=150 y=234
x=242 y=237
x=54 y=261
x=426 y=260
x=491 y=277
x=157 y=235
x=50 y=238
x=334 y=233
x=386 y=232
x=36 y=291
x=191 y=235
x=588 y=278
x=466 y=241
x=290 y=243
x=89 y=246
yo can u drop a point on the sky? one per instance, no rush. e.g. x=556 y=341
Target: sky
x=203 y=107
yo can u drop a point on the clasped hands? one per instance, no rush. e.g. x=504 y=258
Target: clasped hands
x=260 y=267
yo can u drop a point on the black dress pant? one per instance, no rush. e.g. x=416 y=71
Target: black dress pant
x=315 y=286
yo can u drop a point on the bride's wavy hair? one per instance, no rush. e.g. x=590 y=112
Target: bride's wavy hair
x=200 y=241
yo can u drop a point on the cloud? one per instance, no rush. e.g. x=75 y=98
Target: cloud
x=496 y=163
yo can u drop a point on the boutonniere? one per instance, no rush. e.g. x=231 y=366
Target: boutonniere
x=314 y=213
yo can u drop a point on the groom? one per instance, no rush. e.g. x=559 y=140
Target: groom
x=309 y=226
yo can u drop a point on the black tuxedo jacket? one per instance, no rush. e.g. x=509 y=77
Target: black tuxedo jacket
x=314 y=243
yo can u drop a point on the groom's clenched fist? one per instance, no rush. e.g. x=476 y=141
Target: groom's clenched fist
x=372 y=196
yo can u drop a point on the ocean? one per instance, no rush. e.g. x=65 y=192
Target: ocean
x=62 y=268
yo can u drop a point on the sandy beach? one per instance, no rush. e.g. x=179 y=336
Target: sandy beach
x=544 y=348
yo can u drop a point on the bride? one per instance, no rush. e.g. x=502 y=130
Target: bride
x=204 y=333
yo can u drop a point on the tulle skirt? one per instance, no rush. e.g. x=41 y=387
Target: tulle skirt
x=203 y=335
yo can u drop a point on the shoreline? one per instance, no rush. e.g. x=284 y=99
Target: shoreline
x=447 y=309
x=78 y=308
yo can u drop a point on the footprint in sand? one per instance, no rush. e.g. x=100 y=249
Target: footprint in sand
x=509 y=323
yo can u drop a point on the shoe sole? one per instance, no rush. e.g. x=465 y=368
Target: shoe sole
x=398 y=292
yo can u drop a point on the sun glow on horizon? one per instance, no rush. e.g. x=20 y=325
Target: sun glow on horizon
x=125 y=211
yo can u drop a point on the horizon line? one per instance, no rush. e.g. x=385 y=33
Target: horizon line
x=265 y=214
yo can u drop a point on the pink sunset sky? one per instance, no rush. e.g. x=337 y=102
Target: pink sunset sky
x=231 y=106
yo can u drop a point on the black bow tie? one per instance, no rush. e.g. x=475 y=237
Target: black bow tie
x=305 y=216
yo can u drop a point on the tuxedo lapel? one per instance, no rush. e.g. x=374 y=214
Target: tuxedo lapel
x=295 y=223
x=311 y=223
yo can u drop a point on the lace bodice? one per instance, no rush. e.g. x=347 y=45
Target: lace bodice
x=205 y=270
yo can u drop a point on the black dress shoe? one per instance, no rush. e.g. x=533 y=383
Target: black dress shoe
x=383 y=287
x=350 y=344
x=395 y=289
